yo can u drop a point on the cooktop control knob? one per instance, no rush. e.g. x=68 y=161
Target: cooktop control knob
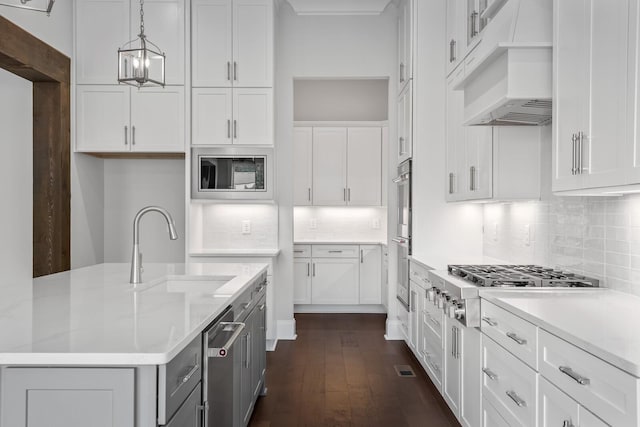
x=460 y=312
x=431 y=293
x=451 y=309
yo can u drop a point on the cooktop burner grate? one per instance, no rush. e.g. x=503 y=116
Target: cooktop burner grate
x=519 y=276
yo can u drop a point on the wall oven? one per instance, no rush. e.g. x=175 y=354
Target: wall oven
x=232 y=173
x=403 y=232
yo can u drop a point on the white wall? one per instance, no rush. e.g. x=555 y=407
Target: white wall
x=442 y=232
x=16 y=126
x=130 y=185
x=319 y=46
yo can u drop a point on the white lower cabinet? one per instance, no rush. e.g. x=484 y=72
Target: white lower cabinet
x=452 y=367
x=556 y=408
x=338 y=274
x=492 y=418
x=416 y=305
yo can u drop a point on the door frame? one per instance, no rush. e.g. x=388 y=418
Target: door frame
x=26 y=56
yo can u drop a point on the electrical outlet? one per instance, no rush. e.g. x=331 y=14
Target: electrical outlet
x=246 y=226
x=495 y=232
x=313 y=223
x=526 y=236
x=375 y=223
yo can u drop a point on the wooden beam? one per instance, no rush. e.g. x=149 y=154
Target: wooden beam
x=51 y=178
x=29 y=57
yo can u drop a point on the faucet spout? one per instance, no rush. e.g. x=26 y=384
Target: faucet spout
x=136 y=257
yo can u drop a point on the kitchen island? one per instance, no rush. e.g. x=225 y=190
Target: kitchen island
x=85 y=347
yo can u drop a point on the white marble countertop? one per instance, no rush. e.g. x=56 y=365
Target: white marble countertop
x=339 y=242
x=93 y=316
x=601 y=321
x=272 y=252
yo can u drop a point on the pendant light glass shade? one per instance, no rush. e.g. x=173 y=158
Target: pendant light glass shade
x=26 y=4
x=140 y=61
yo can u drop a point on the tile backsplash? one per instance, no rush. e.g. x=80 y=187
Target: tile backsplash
x=595 y=236
x=340 y=223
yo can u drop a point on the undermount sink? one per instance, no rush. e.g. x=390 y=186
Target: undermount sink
x=192 y=284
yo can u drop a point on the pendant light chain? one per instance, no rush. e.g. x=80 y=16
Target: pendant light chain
x=141 y=18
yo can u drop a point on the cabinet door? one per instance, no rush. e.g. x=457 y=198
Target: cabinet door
x=370 y=274
x=329 y=166
x=456 y=33
x=246 y=378
x=478 y=171
x=452 y=367
x=416 y=305
x=260 y=349
x=253 y=116
x=603 y=145
x=102 y=26
x=335 y=281
x=189 y=414
x=302 y=166
x=364 y=166
x=587 y=419
x=102 y=114
x=491 y=417
x=211 y=48
x=253 y=43
x=211 y=116
x=302 y=281
x=405 y=40
x=455 y=139
x=570 y=74
x=471 y=380
x=157 y=119
x=164 y=25
x=405 y=124
x=69 y=397
x=556 y=408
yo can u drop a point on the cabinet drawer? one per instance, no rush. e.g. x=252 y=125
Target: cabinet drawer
x=513 y=333
x=491 y=417
x=178 y=378
x=432 y=320
x=188 y=414
x=419 y=274
x=603 y=389
x=335 y=251
x=509 y=384
x=433 y=357
x=301 y=251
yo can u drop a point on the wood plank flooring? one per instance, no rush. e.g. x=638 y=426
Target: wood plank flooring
x=340 y=372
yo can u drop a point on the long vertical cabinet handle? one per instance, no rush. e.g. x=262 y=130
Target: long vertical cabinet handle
x=248 y=359
x=348 y=194
x=402 y=72
x=235 y=129
x=579 y=155
x=401 y=146
x=573 y=154
x=235 y=71
x=229 y=70
x=472 y=178
x=451 y=179
x=228 y=128
x=453 y=341
x=314 y=270
x=451 y=44
x=309 y=192
x=308 y=269
x=133 y=135
x=458 y=343
x=126 y=135
x=361 y=256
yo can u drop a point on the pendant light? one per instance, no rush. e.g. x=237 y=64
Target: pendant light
x=140 y=62
x=24 y=4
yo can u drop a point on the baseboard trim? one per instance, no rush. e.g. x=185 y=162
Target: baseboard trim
x=286 y=330
x=394 y=331
x=352 y=309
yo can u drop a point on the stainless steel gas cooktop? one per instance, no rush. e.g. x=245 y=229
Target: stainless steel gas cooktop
x=520 y=276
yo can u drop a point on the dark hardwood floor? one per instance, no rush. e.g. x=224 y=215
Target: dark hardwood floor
x=340 y=372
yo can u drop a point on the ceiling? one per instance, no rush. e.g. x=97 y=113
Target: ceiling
x=339 y=7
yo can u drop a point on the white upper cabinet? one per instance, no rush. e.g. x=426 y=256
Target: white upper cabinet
x=302 y=166
x=122 y=119
x=232 y=43
x=103 y=26
x=346 y=167
x=405 y=124
x=405 y=43
x=211 y=44
x=592 y=130
x=252 y=116
x=211 y=116
x=456 y=33
x=329 y=166
x=364 y=166
x=476 y=22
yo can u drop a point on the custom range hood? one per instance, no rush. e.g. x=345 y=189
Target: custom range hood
x=508 y=75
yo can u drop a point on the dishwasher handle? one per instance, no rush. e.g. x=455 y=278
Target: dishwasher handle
x=237 y=328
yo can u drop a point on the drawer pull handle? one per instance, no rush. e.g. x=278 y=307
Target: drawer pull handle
x=575 y=376
x=335 y=252
x=237 y=328
x=567 y=423
x=193 y=370
x=488 y=372
x=298 y=251
x=489 y=321
x=517 y=400
x=516 y=338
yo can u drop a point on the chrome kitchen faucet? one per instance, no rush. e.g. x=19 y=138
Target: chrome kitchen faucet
x=136 y=258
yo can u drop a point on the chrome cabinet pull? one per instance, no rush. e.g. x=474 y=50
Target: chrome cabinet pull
x=402 y=72
x=235 y=129
x=193 y=370
x=574 y=375
x=516 y=338
x=453 y=340
x=235 y=71
x=472 y=178
x=489 y=321
x=344 y=194
x=133 y=135
x=308 y=269
x=261 y=308
x=126 y=136
x=309 y=196
x=474 y=26
x=314 y=270
x=229 y=70
x=335 y=252
x=458 y=338
x=488 y=372
x=518 y=401
x=452 y=48
x=567 y=423
x=298 y=251
x=247 y=342
x=451 y=183
x=361 y=256
x=224 y=350
x=348 y=194
x=401 y=145
x=579 y=152
x=228 y=129
x=573 y=154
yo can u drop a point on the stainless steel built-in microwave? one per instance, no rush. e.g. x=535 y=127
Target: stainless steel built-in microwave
x=232 y=173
